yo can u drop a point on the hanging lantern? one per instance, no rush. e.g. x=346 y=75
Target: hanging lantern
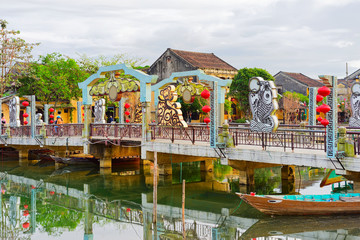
x=127 y=120
x=318 y=109
x=126 y=105
x=26 y=225
x=128 y=210
x=83 y=114
x=325 y=122
x=51 y=110
x=51 y=121
x=26 y=206
x=206 y=120
x=127 y=113
x=319 y=119
x=324 y=108
x=25 y=103
x=26 y=213
x=52 y=193
x=51 y=116
x=205 y=94
x=324 y=91
x=319 y=98
x=26 y=122
x=206 y=109
x=252 y=194
x=25 y=115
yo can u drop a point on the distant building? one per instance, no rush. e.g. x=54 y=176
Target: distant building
x=295 y=82
x=179 y=61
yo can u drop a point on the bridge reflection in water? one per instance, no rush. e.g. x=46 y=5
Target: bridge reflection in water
x=66 y=203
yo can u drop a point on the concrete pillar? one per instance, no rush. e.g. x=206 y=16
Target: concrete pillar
x=165 y=169
x=246 y=177
x=86 y=130
x=288 y=172
x=345 y=144
x=23 y=157
x=207 y=165
x=106 y=160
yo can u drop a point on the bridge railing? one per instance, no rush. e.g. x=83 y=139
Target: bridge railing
x=116 y=130
x=64 y=130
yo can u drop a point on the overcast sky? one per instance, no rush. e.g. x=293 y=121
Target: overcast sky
x=314 y=37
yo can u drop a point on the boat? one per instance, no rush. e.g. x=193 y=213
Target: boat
x=78 y=159
x=284 y=225
x=328 y=204
x=331 y=178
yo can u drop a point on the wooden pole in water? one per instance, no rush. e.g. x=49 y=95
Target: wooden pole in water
x=155 y=190
x=183 y=209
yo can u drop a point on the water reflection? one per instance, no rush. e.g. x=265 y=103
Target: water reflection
x=44 y=202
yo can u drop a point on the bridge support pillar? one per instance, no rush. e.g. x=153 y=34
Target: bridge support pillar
x=207 y=165
x=287 y=179
x=356 y=186
x=246 y=177
x=165 y=169
x=106 y=160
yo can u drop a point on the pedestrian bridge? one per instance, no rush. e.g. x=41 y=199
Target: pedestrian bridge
x=289 y=145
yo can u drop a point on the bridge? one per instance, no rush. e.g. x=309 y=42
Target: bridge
x=290 y=145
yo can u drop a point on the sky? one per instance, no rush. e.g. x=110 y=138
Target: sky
x=313 y=37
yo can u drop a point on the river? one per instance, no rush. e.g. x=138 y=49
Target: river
x=39 y=201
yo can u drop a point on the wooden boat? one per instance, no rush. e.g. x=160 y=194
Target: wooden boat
x=330 y=204
x=83 y=159
x=331 y=178
x=282 y=225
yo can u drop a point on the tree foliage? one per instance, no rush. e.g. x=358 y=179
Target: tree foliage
x=53 y=78
x=239 y=88
x=92 y=64
x=12 y=49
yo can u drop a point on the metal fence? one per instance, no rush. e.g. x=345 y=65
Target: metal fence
x=116 y=130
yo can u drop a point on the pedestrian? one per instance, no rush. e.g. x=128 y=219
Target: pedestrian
x=58 y=121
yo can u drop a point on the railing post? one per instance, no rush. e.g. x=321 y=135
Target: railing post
x=236 y=138
x=358 y=142
x=284 y=142
x=262 y=141
x=325 y=142
x=193 y=135
x=292 y=142
x=129 y=131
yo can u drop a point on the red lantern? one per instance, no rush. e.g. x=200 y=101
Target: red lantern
x=51 y=121
x=319 y=98
x=26 y=213
x=25 y=103
x=206 y=109
x=324 y=91
x=319 y=119
x=324 y=108
x=83 y=114
x=33 y=187
x=51 y=110
x=205 y=94
x=26 y=206
x=126 y=105
x=206 y=120
x=26 y=225
x=252 y=194
x=26 y=122
x=52 y=193
x=25 y=115
x=325 y=122
x=127 y=120
x=128 y=209
x=51 y=116
x=127 y=113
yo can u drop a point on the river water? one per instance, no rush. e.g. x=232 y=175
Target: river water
x=39 y=201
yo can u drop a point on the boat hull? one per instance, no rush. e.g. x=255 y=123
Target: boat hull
x=277 y=206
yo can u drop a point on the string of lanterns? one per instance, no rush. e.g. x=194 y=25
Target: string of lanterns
x=25 y=115
x=324 y=108
x=127 y=113
x=206 y=109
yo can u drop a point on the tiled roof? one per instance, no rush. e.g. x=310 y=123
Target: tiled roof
x=204 y=60
x=305 y=79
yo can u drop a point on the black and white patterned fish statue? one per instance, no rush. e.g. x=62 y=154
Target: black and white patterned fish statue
x=263 y=104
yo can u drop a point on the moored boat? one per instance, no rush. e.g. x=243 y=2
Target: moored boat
x=83 y=159
x=328 y=204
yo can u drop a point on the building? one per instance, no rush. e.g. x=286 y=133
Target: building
x=180 y=61
x=295 y=82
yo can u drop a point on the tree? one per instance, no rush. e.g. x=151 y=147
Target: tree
x=239 y=88
x=12 y=50
x=53 y=78
x=92 y=64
